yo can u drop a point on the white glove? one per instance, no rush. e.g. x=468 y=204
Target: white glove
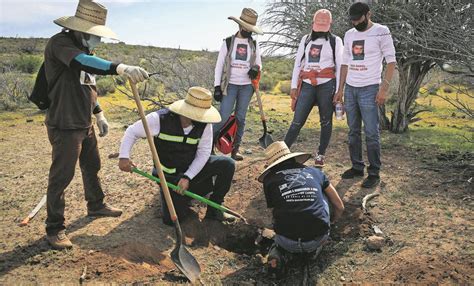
x=134 y=73
x=102 y=124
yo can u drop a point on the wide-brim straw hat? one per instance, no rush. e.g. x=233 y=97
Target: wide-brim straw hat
x=197 y=105
x=277 y=153
x=248 y=20
x=90 y=18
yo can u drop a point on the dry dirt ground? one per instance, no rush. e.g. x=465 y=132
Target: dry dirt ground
x=424 y=209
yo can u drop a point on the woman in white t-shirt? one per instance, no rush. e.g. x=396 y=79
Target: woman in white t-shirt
x=238 y=63
x=315 y=74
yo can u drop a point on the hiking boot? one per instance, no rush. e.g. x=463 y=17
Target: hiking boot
x=319 y=161
x=59 y=241
x=106 y=210
x=236 y=155
x=371 y=181
x=214 y=214
x=352 y=173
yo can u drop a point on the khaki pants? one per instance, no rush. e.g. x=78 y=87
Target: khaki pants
x=68 y=147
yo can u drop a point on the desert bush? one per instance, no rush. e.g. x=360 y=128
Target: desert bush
x=285 y=86
x=267 y=82
x=432 y=89
x=27 y=63
x=448 y=90
x=105 y=85
x=14 y=90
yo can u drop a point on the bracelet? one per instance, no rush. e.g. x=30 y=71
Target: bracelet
x=385 y=80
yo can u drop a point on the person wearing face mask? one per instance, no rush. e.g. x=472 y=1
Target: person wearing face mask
x=364 y=89
x=238 y=63
x=70 y=67
x=314 y=80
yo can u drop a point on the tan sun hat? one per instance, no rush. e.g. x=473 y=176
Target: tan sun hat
x=248 y=20
x=90 y=18
x=197 y=105
x=278 y=152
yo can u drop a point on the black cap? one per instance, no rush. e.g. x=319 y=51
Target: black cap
x=358 y=10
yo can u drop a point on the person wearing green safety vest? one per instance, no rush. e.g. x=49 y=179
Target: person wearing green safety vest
x=182 y=134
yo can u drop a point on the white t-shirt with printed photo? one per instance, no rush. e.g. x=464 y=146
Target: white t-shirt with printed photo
x=364 y=52
x=318 y=56
x=239 y=64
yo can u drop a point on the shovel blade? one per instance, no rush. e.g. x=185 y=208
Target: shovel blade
x=186 y=263
x=184 y=260
x=265 y=140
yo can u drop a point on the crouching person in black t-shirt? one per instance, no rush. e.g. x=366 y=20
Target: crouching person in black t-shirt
x=299 y=196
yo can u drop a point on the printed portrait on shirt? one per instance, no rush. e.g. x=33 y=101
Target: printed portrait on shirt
x=314 y=53
x=358 y=50
x=87 y=78
x=241 y=52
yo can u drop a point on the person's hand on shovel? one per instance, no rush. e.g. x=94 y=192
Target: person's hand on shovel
x=134 y=73
x=183 y=185
x=126 y=165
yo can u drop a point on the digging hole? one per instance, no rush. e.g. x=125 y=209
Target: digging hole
x=242 y=240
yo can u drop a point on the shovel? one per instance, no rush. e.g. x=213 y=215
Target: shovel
x=181 y=257
x=266 y=139
x=193 y=195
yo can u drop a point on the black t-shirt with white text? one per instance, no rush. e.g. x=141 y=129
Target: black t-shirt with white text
x=295 y=192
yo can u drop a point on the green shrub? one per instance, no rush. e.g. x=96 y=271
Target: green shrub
x=28 y=64
x=268 y=82
x=14 y=90
x=432 y=90
x=105 y=85
x=285 y=86
x=447 y=89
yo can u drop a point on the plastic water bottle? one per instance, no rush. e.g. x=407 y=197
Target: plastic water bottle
x=339 y=111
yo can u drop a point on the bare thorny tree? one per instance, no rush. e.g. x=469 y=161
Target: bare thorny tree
x=172 y=76
x=426 y=34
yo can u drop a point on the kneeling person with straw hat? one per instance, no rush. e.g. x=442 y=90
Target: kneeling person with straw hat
x=183 y=138
x=299 y=196
x=70 y=69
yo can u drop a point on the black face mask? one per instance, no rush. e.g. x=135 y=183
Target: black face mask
x=362 y=25
x=316 y=35
x=246 y=34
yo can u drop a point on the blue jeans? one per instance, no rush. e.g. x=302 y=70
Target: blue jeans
x=320 y=95
x=298 y=246
x=360 y=106
x=239 y=95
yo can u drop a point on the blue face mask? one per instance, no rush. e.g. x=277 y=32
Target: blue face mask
x=92 y=42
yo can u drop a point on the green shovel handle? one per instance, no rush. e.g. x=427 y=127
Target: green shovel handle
x=190 y=194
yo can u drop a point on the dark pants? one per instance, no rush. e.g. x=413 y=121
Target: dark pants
x=320 y=95
x=68 y=147
x=221 y=167
x=360 y=106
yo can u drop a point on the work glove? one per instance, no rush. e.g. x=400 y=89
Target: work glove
x=134 y=73
x=218 y=93
x=253 y=72
x=102 y=124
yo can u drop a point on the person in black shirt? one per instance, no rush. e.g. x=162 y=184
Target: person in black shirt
x=299 y=196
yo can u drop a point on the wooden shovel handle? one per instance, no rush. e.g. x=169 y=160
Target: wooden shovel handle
x=156 y=159
x=259 y=100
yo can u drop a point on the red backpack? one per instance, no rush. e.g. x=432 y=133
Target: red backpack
x=226 y=136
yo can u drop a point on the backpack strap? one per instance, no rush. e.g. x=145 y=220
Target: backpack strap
x=228 y=40
x=306 y=42
x=332 y=42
